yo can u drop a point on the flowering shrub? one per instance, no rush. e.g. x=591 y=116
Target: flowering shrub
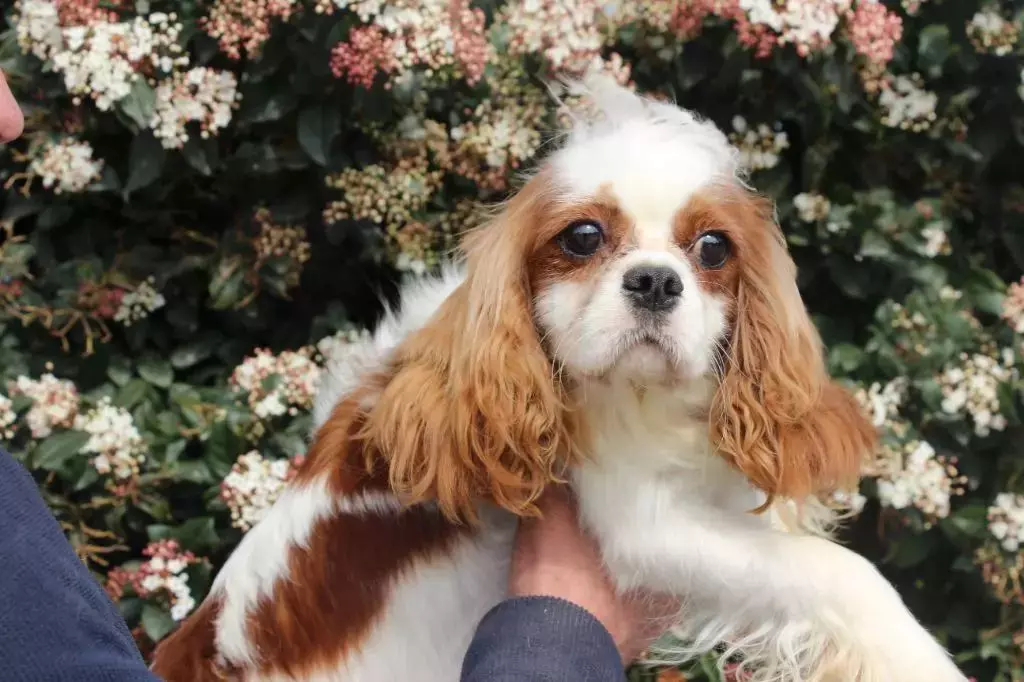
x=211 y=198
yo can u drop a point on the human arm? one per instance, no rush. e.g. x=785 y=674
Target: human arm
x=56 y=622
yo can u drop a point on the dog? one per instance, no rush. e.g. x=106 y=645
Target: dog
x=629 y=321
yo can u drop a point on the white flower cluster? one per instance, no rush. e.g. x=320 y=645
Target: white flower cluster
x=839 y=219
x=882 y=401
x=500 y=136
x=436 y=34
x=919 y=480
x=8 y=417
x=113 y=438
x=170 y=575
x=990 y=32
x=936 y=241
x=66 y=166
x=165 y=573
x=334 y=347
x=54 y=403
x=201 y=95
x=138 y=304
x=811 y=207
x=973 y=388
x=252 y=486
x=806 y=24
x=102 y=60
x=567 y=33
x=907 y=105
x=1006 y=520
x=277 y=384
x=38 y=28
x=759 y=146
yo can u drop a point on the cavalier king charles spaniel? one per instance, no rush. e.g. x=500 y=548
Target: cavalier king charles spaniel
x=630 y=322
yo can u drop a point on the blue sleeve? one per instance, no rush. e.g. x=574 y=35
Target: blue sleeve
x=541 y=639
x=56 y=623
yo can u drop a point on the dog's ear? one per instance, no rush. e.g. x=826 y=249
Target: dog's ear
x=470 y=409
x=777 y=416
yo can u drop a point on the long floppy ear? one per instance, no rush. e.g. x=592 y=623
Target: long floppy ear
x=777 y=415
x=471 y=409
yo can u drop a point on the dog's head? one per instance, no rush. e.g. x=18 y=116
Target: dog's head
x=633 y=254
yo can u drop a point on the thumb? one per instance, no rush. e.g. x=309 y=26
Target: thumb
x=12 y=121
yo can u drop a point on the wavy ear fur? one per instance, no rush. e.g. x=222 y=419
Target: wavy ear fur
x=471 y=409
x=777 y=416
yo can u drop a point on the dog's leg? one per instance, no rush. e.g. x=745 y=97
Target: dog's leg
x=797 y=608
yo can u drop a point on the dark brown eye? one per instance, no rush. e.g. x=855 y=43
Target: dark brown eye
x=713 y=249
x=581 y=239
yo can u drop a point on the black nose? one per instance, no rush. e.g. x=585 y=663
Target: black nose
x=652 y=287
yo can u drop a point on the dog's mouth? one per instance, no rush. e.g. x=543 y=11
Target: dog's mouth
x=650 y=341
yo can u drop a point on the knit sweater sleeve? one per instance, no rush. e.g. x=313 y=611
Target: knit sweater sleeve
x=56 y=623
x=541 y=639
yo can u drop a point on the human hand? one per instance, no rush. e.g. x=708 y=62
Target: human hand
x=554 y=557
x=12 y=121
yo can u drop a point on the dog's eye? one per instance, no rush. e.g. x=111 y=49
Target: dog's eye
x=713 y=249
x=581 y=239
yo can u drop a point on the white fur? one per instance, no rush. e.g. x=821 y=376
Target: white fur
x=669 y=513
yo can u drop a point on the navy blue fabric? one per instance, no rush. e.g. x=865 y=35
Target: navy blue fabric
x=58 y=625
x=541 y=639
x=56 y=622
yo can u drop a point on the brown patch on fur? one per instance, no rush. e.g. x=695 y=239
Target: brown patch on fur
x=337 y=587
x=777 y=416
x=189 y=653
x=470 y=408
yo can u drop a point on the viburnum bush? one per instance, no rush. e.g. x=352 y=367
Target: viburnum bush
x=212 y=198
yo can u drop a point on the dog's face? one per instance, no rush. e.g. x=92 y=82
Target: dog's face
x=639 y=279
x=634 y=253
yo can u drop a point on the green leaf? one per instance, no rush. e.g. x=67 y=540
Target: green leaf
x=131 y=394
x=198 y=534
x=156 y=622
x=17 y=206
x=289 y=444
x=195 y=471
x=138 y=105
x=109 y=181
x=145 y=162
x=227 y=287
x=88 y=477
x=911 y=550
x=156 y=371
x=192 y=353
x=120 y=371
x=933 y=47
x=58 y=448
x=318 y=126
x=266 y=104
x=198 y=154
x=54 y=216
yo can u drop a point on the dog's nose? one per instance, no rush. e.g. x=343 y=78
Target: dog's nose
x=652 y=287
